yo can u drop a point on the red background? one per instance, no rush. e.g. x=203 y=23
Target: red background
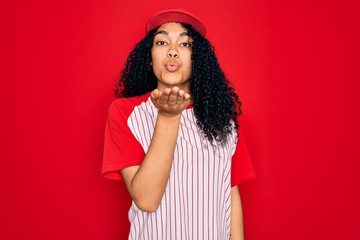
x=295 y=65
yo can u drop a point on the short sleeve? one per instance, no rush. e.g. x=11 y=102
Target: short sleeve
x=241 y=168
x=121 y=149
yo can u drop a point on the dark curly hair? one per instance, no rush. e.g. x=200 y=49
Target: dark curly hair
x=215 y=102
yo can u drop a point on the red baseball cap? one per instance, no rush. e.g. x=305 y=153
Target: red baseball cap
x=175 y=15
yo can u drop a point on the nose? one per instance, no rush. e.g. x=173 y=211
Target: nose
x=172 y=53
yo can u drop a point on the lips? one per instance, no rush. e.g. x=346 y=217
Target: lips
x=172 y=66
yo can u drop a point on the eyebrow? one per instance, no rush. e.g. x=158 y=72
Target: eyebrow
x=167 y=33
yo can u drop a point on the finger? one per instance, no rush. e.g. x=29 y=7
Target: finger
x=180 y=96
x=173 y=95
x=187 y=98
x=155 y=94
x=164 y=96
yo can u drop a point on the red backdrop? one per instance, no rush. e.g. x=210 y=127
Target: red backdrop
x=295 y=65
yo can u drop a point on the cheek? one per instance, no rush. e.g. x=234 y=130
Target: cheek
x=188 y=63
x=155 y=61
x=155 y=57
x=187 y=57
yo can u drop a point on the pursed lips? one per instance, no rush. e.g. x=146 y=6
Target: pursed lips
x=172 y=66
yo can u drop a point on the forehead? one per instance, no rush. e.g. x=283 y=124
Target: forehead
x=172 y=27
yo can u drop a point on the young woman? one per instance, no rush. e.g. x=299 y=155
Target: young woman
x=173 y=137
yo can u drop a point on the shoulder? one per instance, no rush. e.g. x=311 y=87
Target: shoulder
x=124 y=106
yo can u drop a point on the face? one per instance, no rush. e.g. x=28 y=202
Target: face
x=171 y=56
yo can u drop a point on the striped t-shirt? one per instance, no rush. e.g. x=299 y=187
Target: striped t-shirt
x=196 y=201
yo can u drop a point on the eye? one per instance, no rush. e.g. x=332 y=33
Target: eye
x=161 y=43
x=186 y=44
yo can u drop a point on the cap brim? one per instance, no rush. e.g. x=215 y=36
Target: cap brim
x=175 y=15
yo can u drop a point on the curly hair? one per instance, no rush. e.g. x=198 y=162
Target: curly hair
x=137 y=77
x=216 y=105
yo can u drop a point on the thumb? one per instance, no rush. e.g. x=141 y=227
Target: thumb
x=155 y=94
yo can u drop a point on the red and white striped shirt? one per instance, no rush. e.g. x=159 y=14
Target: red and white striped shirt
x=196 y=202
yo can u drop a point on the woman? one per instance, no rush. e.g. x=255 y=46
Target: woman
x=172 y=136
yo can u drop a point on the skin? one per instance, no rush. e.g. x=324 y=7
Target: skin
x=171 y=61
x=237 y=226
x=172 y=48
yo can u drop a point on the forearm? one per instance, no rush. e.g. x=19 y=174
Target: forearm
x=146 y=183
x=149 y=182
x=237 y=227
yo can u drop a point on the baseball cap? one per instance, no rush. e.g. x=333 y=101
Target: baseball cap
x=175 y=15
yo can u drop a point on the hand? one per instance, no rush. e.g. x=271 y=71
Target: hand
x=170 y=102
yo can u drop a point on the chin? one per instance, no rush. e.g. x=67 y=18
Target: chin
x=172 y=81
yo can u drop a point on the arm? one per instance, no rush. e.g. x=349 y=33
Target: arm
x=237 y=228
x=146 y=183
